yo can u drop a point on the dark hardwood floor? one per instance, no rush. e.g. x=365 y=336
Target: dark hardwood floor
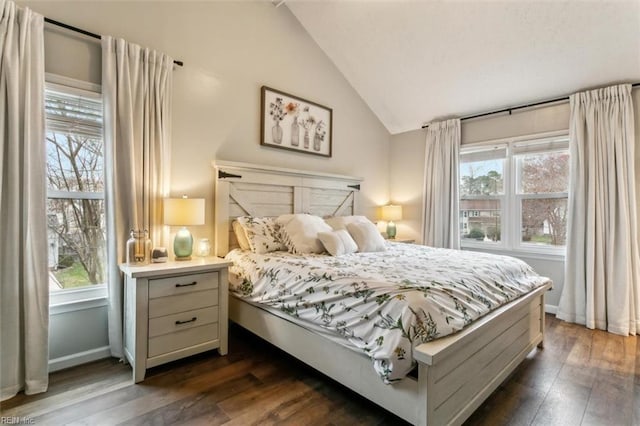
x=582 y=377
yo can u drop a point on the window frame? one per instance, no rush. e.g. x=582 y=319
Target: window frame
x=484 y=152
x=75 y=298
x=512 y=199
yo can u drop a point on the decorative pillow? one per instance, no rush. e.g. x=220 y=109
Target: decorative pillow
x=338 y=242
x=262 y=234
x=366 y=236
x=241 y=236
x=299 y=232
x=340 y=222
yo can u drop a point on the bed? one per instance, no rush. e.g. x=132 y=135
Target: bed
x=455 y=374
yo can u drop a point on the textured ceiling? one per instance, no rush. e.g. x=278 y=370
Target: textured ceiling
x=416 y=61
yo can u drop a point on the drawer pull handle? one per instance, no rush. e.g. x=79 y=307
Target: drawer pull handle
x=187 y=285
x=187 y=321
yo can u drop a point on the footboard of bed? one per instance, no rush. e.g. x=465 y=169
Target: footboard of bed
x=349 y=368
x=457 y=373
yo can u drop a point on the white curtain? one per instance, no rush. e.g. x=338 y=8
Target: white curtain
x=602 y=273
x=136 y=87
x=440 y=213
x=24 y=286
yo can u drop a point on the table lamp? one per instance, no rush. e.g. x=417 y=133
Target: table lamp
x=183 y=212
x=391 y=213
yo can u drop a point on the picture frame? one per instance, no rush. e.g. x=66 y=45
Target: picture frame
x=295 y=124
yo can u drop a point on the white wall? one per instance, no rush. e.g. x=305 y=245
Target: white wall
x=407 y=167
x=230 y=49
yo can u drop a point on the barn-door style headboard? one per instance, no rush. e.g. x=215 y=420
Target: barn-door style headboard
x=243 y=189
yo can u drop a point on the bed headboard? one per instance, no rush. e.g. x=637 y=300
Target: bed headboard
x=243 y=189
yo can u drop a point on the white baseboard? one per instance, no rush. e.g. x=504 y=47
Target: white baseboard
x=551 y=309
x=79 y=358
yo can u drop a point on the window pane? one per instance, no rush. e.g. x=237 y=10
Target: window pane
x=544 y=221
x=540 y=173
x=76 y=234
x=482 y=177
x=480 y=220
x=74 y=162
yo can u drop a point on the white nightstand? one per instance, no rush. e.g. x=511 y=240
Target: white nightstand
x=173 y=310
x=402 y=240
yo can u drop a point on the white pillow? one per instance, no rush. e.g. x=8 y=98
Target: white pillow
x=283 y=219
x=241 y=236
x=366 y=236
x=340 y=222
x=338 y=242
x=299 y=232
x=262 y=234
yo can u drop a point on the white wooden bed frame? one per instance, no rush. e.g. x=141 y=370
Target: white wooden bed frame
x=455 y=373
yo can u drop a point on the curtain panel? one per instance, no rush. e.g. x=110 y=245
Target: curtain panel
x=137 y=95
x=440 y=213
x=24 y=285
x=602 y=273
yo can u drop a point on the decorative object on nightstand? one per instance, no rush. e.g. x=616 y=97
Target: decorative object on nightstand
x=173 y=310
x=391 y=213
x=138 y=248
x=183 y=212
x=159 y=255
x=204 y=247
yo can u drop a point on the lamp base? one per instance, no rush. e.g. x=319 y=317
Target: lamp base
x=391 y=230
x=183 y=244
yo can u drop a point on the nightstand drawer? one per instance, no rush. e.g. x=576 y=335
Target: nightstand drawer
x=182 y=284
x=182 y=321
x=182 y=339
x=162 y=306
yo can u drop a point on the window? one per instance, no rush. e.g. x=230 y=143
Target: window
x=481 y=191
x=75 y=179
x=514 y=195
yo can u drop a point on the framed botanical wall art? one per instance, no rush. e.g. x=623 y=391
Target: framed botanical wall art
x=296 y=124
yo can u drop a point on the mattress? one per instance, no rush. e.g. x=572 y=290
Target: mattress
x=385 y=303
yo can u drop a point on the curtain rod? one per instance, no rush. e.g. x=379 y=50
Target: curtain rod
x=509 y=110
x=87 y=33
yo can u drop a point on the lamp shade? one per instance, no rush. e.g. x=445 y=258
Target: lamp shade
x=183 y=211
x=391 y=212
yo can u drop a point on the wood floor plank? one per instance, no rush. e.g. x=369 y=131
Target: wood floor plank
x=158 y=378
x=315 y=409
x=608 y=402
x=580 y=366
x=565 y=404
x=258 y=405
x=198 y=405
x=512 y=403
x=165 y=395
x=104 y=371
x=582 y=377
x=43 y=403
x=538 y=373
x=636 y=392
x=636 y=404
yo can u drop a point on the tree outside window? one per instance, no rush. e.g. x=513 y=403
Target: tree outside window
x=544 y=220
x=75 y=176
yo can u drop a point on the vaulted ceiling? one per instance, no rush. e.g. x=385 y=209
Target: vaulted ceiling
x=417 y=61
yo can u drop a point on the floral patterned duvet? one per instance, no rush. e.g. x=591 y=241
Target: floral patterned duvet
x=385 y=303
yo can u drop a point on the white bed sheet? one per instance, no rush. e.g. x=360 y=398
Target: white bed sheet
x=382 y=304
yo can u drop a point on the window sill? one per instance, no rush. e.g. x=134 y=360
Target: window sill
x=77 y=299
x=556 y=256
